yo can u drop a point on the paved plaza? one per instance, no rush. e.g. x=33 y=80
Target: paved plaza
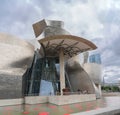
x=50 y=109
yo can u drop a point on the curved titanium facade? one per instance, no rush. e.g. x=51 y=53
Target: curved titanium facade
x=78 y=77
x=94 y=70
x=15 y=57
x=75 y=76
x=40 y=74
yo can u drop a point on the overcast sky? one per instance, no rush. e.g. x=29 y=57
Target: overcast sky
x=96 y=20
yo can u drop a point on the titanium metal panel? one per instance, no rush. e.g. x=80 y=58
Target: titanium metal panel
x=78 y=77
x=15 y=57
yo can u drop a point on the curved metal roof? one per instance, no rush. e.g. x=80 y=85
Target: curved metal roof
x=71 y=45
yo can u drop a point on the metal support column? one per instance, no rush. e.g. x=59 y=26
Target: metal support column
x=32 y=77
x=62 y=71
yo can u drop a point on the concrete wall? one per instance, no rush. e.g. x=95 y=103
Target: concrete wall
x=58 y=100
x=69 y=99
x=36 y=99
x=6 y=102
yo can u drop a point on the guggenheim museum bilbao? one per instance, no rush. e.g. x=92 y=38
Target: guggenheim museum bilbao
x=58 y=70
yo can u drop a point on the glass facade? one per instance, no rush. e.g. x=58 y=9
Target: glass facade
x=95 y=58
x=41 y=78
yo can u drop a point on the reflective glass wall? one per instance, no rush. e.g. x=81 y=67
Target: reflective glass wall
x=95 y=58
x=42 y=77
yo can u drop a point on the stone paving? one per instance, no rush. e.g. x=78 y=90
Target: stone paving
x=50 y=109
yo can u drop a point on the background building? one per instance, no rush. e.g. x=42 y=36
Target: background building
x=95 y=58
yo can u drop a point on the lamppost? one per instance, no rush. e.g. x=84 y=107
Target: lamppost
x=104 y=80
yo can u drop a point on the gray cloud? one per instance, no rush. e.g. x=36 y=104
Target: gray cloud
x=112 y=79
x=98 y=21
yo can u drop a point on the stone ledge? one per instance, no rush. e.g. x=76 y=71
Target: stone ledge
x=6 y=102
x=58 y=100
x=69 y=99
x=36 y=99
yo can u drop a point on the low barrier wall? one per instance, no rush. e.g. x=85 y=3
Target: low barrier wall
x=36 y=99
x=69 y=99
x=58 y=100
x=5 y=102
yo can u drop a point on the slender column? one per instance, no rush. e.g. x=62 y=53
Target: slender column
x=99 y=89
x=32 y=76
x=99 y=86
x=62 y=71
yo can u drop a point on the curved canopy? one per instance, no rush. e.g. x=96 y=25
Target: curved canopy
x=71 y=45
